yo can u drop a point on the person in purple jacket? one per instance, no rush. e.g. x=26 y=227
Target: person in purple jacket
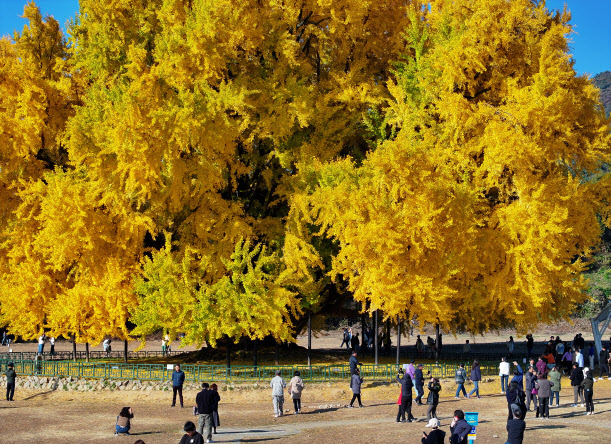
x=476 y=377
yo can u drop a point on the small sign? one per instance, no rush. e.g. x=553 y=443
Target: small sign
x=524 y=360
x=170 y=366
x=471 y=418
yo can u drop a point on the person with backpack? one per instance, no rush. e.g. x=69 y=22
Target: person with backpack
x=405 y=406
x=460 y=378
x=433 y=398
x=295 y=388
x=576 y=380
x=555 y=376
x=544 y=389
x=476 y=377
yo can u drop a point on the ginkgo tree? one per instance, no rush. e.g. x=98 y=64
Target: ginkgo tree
x=201 y=166
x=474 y=210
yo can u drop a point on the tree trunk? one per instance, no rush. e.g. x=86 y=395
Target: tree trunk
x=254 y=356
x=309 y=339
x=398 y=339
x=74 y=348
x=87 y=351
x=125 y=351
x=277 y=353
x=375 y=335
x=228 y=357
x=437 y=343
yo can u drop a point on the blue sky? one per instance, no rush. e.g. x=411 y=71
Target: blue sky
x=591 y=45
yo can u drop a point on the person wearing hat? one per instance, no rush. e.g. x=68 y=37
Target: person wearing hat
x=191 y=436
x=10 y=381
x=436 y=436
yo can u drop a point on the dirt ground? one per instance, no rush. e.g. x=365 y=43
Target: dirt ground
x=247 y=416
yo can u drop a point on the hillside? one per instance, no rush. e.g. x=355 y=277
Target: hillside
x=603 y=82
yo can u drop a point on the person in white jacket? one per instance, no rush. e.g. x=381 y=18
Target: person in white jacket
x=278 y=385
x=504 y=374
x=295 y=389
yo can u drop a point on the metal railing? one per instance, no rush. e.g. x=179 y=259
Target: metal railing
x=160 y=372
x=82 y=355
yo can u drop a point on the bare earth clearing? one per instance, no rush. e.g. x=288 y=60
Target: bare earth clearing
x=247 y=416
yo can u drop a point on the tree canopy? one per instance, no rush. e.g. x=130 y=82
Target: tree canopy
x=218 y=167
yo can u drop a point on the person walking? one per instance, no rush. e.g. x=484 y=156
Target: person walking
x=355 y=385
x=405 y=407
x=192 y=436
x=353 y=362
x=436 y=436
x=460 y=378
x=123 y=423
x=178 y=379
x=216 y=422
x=544 y=389
x=459 y=428
x=206 y=400
x=531 y=391
x=591 y=352
x=433 y=398
x=603 y=360
x=588 y=391
x=11 y=377
x=355 y=342
x=515 y=428
x=345 y=339
x=504 y=374
x=419 y=384
x=576 y=380
x=106 y=345
x=419 y=347
x=295 y=388
x=476 y=377
x=555 y=377
x=278 y=385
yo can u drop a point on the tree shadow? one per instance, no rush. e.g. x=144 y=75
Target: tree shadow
x=38 y=394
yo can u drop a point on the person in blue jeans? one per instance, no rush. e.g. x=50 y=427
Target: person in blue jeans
x=461 y=376
x=476 y=377
x=504 y=374
x=123 y=421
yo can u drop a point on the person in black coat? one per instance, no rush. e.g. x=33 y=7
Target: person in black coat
x=436 y=436
x=576 y=380
x=406 y=397
x=604 y=362
x=419 y=384
x=515 y=428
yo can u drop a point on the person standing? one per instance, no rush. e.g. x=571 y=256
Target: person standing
x=353 y=362
x=544 y=389
x=436 y=436
x=433 y=398
x=591 y=352
x=518 y=375
x=576 y=380
x=555 y=377
x=588 y=391
x=513 y=398
x=459 y=428
x=419 y=347
x=476 y=377
x=419 y=384
x=531 y=391
x=405 y=407
x=579 y=358
x=567 y=361
x=355 y=342
x=192 y=436
x=52 y=344
x=559 y=349
x=164 y=345
x=178 y=379
x=295 y=388
x=515 y=428
x=504 y=374
x=206 y=400
x=41 y=343
x=11 y=376
x=510 y=345
x=278 y=385
x=603 y=360
x=355 y=385
x=216 y=422
x=460 y=378
x=530 y=342
x=106 y=345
